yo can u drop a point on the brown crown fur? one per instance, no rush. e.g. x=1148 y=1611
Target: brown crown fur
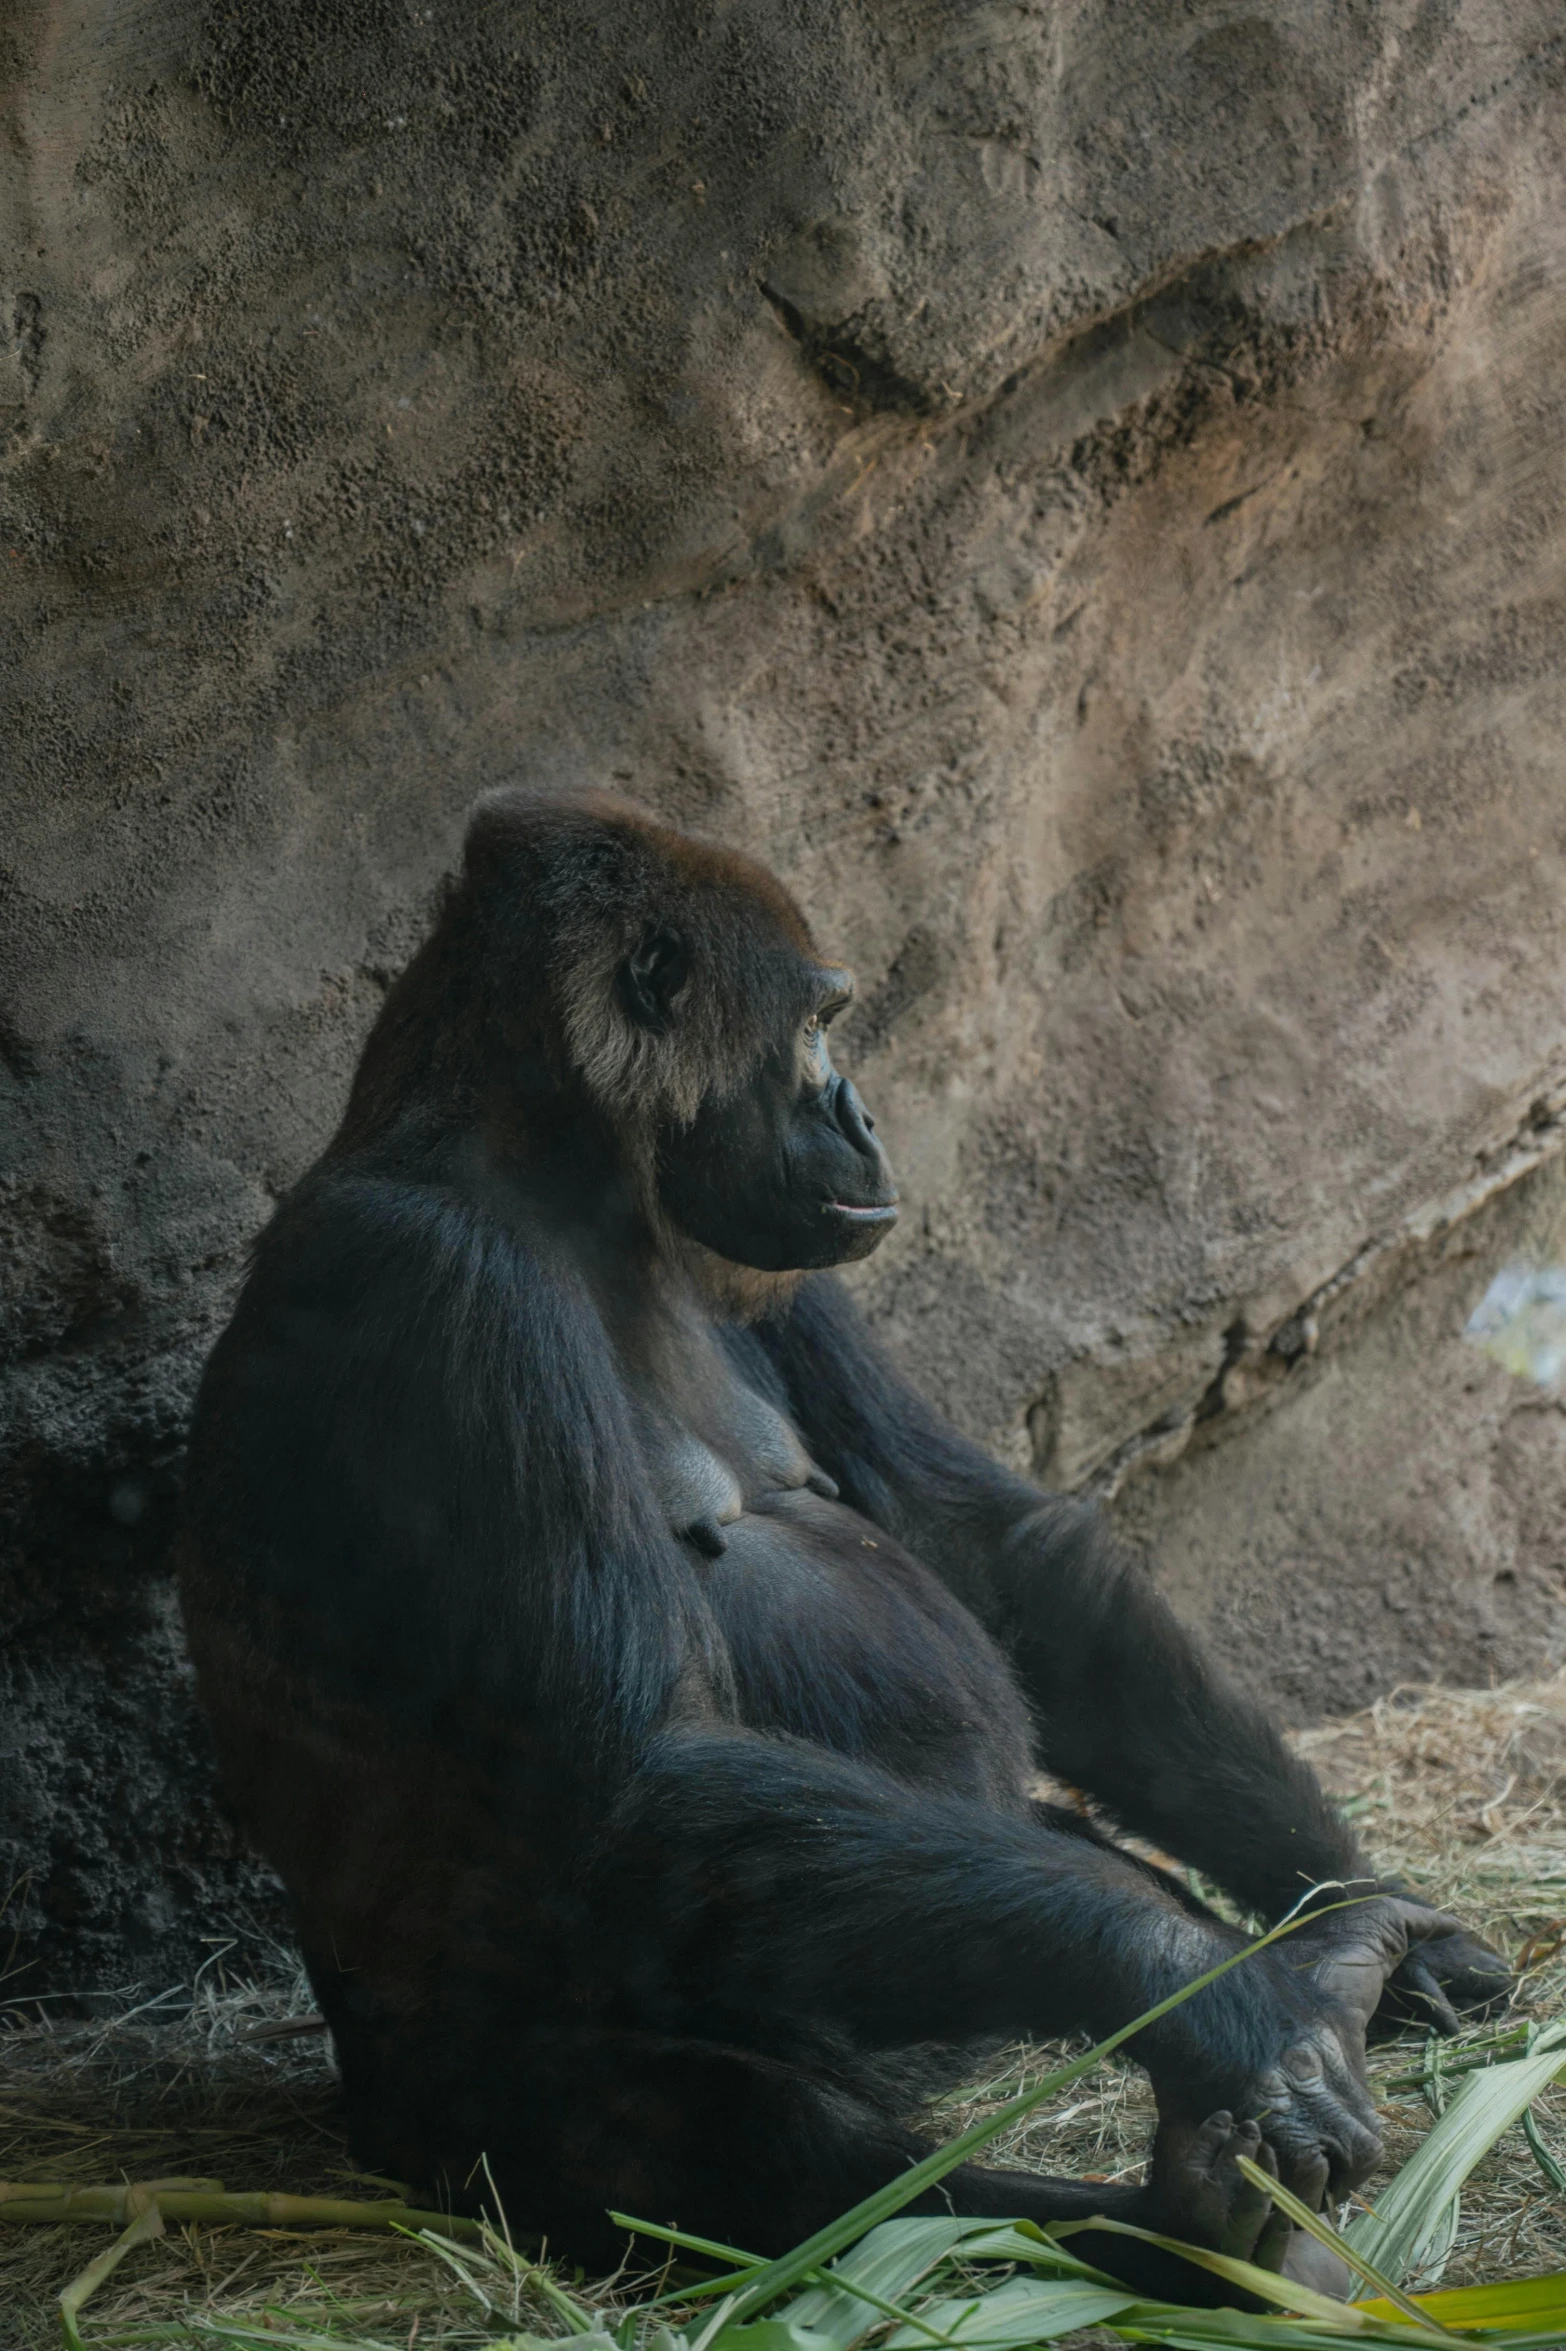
x=556 y=890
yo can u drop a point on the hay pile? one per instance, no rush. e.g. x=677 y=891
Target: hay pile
x=1460 y=1791
x=207 y=2081
x=1464 y=1793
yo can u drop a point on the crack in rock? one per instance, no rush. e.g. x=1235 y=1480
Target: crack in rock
x=1257 y=1365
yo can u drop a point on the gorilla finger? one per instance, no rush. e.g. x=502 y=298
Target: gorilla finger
x=1480 y=1967
x=1422 y=1987
x=1477 y=1996
x=1310 y=2180
x=1271 y=2247
x=1416 y=1995
x=1471 y=1972
x=1350 y=2162
x=1353 y=1969
x=1301 y=2163
x=1421 y=1924
x=1324 y=2148
x=1250 y=2198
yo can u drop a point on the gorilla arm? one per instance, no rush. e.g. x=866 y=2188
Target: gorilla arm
x=1127 y=1707
x=416 y=1473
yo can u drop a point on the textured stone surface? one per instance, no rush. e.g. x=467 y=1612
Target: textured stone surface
x=1078 y=490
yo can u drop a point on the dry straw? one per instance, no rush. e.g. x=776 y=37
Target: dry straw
x=1460 y=1791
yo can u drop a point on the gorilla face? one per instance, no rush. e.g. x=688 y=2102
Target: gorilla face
x=786 y=1174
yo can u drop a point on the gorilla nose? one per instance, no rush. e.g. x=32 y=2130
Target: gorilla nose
x=854 y=1120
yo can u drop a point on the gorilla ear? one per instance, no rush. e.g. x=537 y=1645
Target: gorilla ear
x=652 y=976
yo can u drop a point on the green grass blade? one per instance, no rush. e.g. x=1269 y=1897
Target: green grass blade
x=1023 y=2311
x=790 y=2269
x=1412 y=2214
x=1542 y=2155
x=1244 y=2330
x=1024 y=2240
x=1337 y=2318
x=1473 y=2057
x=883 y=2265
x=1519 y=2303
x=1314 y=2226
x=710 y=2248
x=767 y=2334
x=703 y=2289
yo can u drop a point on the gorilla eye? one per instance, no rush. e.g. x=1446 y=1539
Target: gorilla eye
x=813 y=1025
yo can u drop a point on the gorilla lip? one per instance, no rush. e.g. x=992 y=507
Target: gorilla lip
x=885 y=1214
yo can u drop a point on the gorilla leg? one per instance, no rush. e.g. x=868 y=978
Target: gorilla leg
x=763 y=1894
x=1066 y=1823
x=759 y=2154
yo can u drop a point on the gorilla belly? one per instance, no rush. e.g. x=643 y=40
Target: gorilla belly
x=840 y=1636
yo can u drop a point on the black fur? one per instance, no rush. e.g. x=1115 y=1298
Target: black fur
x=641 y=1705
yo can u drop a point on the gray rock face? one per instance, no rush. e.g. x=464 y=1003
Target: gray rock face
x=1079 y=491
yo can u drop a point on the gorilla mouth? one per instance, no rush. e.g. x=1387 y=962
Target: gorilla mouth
x=886 y=1213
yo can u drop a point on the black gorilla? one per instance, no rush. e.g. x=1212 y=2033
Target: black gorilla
x=638 y=1687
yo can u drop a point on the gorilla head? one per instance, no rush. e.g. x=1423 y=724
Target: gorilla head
x=670 y=992
x=781 y=1170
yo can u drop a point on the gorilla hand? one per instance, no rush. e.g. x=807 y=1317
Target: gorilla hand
x=1286 y=2047
x=1313 y=2101
x=1448 y=1976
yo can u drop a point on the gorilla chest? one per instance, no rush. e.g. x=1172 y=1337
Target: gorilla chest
x=715 y=1453
x=834 y=1632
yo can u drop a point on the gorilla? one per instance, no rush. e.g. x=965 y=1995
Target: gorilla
x=641 y=1690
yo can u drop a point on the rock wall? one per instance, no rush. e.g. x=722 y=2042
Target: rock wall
x=1078 y=489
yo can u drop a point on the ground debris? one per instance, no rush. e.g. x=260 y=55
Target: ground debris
x=1459 y=1791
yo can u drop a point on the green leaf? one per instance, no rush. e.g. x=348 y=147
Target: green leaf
x=790 y=2269
x=1343 y=2318
x=770 y=2334
x=1024 y=2310
x=886 y=2263
x=1414 y=2216
x=1231 y=2330
x=595 y=2340
x=1244 y=2330
x=1024 y=2240
x=1531 y=2303
x=1314 y=2225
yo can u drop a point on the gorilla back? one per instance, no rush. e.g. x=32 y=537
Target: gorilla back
x=638 y=1687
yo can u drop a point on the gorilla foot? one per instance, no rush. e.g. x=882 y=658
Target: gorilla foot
x=1307 y=2262
x=1197 y=2190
